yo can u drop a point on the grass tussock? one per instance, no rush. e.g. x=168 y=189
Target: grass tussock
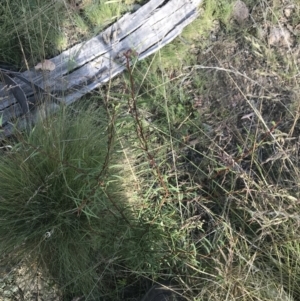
x=57 y=196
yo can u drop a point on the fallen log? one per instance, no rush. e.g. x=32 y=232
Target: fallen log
x=88 y=65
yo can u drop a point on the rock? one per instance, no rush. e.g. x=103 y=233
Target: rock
x=240 y=11
x=288 y=11
x=279 y=36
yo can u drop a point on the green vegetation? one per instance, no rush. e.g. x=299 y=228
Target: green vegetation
x=32 y=30
x=186 y=167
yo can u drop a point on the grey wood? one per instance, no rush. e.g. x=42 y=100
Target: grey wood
x=87 y=65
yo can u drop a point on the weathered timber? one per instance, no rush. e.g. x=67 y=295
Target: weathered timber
x=87 y=65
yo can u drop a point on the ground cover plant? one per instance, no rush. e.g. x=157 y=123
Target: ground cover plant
x=203 y=147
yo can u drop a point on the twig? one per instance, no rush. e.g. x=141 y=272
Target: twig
x=139 y=127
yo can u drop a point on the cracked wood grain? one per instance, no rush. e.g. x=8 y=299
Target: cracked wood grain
x=86 y=66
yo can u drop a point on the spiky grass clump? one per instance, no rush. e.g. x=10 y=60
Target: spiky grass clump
x=32 y=30
x=59 y=204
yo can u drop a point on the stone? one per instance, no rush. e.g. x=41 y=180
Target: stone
x=279 y=36
x=240 y=11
